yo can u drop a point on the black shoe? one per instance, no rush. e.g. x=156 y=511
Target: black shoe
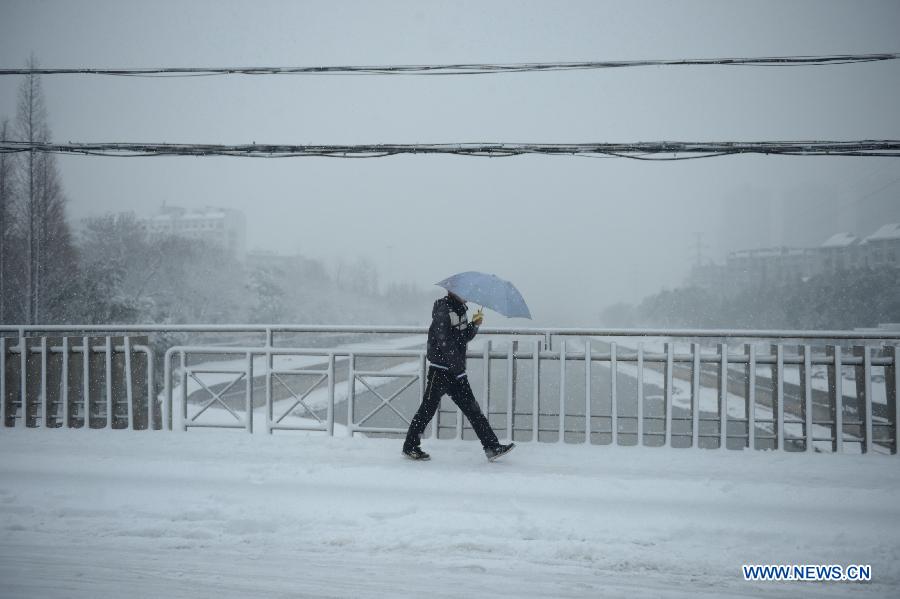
x=493 y=453
x=416 y=453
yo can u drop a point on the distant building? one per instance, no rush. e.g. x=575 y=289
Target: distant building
x=769 y=265
x=841 y=251
x=223 y=227
x=882 y=248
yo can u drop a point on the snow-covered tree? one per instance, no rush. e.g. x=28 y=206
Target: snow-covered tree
x=50 y=260
x=117 y=267
x=7 y=227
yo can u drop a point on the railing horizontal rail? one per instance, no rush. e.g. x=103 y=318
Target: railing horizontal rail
x=648 y=357
x=570 y=331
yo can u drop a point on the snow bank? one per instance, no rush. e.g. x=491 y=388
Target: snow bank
x=226 y=514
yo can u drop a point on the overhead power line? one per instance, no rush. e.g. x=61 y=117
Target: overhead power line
x=658 y=150
x=459 y=69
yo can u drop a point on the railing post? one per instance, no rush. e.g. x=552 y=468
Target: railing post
x=723 y=396
x=329 y=411
x=536 y=393
x=109 y=382
x=667 y=439
x=640 y=394
x=486 y=381
x=23 y=378
x=270 y=399
x=562 y=391
x=864 y=396
x=779 y=394
x=587 y=391
x=64 y=384
x=167 y=406
x=184 y=394
x=510 y=388
x=351 y=392
x=249 y=399
x=515 y=391
x=836 y=386
x=613 y=399
x=86 y=381
x=151 y=396
x=806 y=382
x=751 y=395
x=891 y=388
x=129 y=393
x=695 y=395
x=44 y=396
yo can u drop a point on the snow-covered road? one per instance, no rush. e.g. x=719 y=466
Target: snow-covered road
x=225 y=514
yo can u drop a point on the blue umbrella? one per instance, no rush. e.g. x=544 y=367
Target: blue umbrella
x=488 y=290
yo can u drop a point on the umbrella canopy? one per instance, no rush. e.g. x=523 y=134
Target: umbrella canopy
x=488 y=290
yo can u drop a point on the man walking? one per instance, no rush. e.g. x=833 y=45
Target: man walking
x=448 y=337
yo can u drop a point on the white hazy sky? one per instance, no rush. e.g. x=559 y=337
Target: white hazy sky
x=575 y=234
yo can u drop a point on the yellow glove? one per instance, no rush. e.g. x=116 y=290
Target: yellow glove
x=478 y=318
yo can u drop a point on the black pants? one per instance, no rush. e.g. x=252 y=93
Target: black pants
x=439 y=383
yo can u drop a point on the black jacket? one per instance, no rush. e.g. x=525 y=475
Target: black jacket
x=449 y=334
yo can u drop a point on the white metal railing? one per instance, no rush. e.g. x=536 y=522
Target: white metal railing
x=627 y=389
x=275 y=421
x=64 y=397
x=355 y=425
x=235 y=376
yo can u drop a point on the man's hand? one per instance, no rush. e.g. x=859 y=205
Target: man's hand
x=478 y=318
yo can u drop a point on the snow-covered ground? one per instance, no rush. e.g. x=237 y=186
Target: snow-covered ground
x=226 y=514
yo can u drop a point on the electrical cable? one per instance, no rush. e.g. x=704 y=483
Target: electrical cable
x=459 y=69
x=660 y=150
